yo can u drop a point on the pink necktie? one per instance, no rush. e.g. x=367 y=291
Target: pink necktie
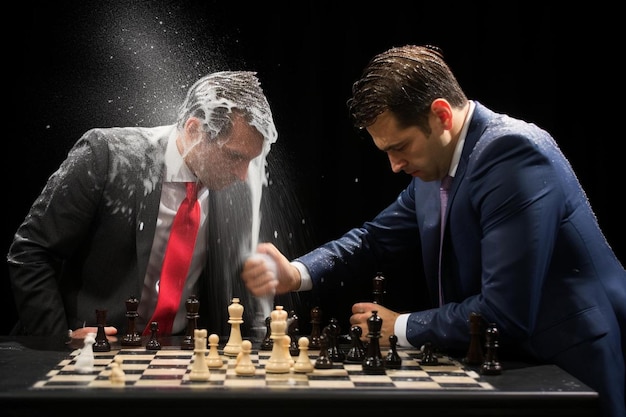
x=443 y=195
x=176 y=261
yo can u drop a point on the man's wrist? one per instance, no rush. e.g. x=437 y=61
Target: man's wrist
x=305 y=283
x=400 y=330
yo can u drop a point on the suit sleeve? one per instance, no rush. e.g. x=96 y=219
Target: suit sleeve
x=511 y=209
x=53 y=231
x=391 y=237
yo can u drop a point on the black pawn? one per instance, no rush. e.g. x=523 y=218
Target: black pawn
x=293 y=331
x=323 y=361
x=378 y=288
x=491 y=366
x=429 y=357
x=102 y=343
x=132 y=337
x=332 y=332
x=153 y=343
x=316 y=329
x=356 y=354
x=192 y=305
x=475 y=352
x=393 y=359
x=373 y=363
x=267 y=342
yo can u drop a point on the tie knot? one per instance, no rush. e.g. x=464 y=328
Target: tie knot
x=446 y=182
x=192 y=190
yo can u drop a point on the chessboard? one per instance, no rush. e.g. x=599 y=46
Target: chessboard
x=170 y=368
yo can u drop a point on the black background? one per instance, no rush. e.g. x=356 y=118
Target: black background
x=83 y=64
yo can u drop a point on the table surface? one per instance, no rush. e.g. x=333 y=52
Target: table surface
x=521 y=389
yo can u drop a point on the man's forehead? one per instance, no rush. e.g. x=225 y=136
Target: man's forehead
x=245 y=139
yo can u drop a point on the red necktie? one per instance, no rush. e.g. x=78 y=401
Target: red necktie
x=443 y=195
x=176 y=261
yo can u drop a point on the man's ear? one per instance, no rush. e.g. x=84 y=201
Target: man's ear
x=443 y=111
x=191 y=135
x=193 y=130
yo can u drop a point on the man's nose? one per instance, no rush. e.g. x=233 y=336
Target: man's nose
x=396 y=164
x=241 y=171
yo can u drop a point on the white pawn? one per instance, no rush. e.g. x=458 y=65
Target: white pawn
x=199 y=368
x=117 y=375
x=286 y=345
x=303 y=363
x=244 y=364
x=279 y=361
x=235 y=312
x=214 y=360
x=85 y=359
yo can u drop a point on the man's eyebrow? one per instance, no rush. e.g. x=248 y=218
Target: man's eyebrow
x=234 y=153
x=394 y=146
x=237 y=154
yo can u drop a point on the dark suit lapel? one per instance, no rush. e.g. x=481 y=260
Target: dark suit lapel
x=427 y=199
x=474 y=132
x=147 y=209
x=477 y=126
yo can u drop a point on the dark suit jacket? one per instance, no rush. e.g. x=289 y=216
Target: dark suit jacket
x=522 y=248
x=86 y=241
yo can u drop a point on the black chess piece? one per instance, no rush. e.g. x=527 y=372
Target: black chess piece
x=323 y=361
x=378 y=288
x=132 y=337
x=356 y=354
x=316 y=328
x=102 y=343
x=267 y=342
x=192 y=305
x=393 y=359
x=475 y=352
x=293 y=331
x=428 y=355
x=153 y=343
x=332 y=332
x=491 y=366
x=373 y=363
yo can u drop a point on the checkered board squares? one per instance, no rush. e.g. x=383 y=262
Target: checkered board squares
x=172 y=367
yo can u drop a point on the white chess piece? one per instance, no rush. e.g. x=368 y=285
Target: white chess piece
x=278 y=362
x=85 y=359
x=303 y=363
x=244 y=364
x=286 y=345
x=214 y=360
x=235 y=312
x=117 y=375
x=199 y=367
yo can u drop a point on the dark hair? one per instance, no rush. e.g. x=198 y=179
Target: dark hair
x=214 y=97
x=404 y=80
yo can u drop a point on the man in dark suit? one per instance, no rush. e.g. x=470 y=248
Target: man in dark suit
x=97 y=233
x=520 y=246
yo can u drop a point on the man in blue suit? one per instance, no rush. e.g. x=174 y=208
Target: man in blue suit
x=520 y=246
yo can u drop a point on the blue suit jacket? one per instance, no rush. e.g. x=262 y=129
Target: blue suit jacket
x=522 y=247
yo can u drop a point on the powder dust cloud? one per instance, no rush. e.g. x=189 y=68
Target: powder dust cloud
x=131 y=64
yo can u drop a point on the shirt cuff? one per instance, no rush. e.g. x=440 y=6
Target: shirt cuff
x=399 y=329
x=306 y=283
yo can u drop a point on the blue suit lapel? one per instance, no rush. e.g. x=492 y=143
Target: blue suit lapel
x=477 y=126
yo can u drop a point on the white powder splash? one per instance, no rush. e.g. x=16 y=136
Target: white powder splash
x=148 y=55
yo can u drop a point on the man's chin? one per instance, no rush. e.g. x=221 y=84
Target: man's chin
x=221 y=185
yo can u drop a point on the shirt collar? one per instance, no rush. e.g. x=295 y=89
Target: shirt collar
x=456 y=157
x=175 y=168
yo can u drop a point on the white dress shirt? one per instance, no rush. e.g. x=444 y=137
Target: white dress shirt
x=172 y=194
